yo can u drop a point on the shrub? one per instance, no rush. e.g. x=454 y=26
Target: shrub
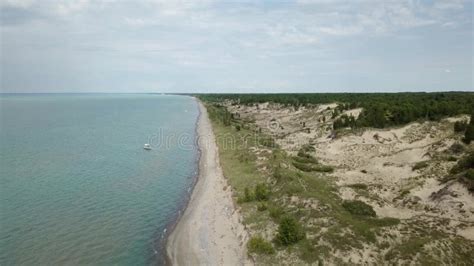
x=261 y=207
x=303 y=167
x=237 y=127
x=305 y=159
x=275 y=212
x=468 y=179
x=358 y=186
x=460 y=126
x=289 y=231
x=386 y=221
x=278 y=173
x=451 y=159
x=323 y=168
x=312 y=168
x=419 y=165
x=465 y=163
x=284 y=174
x=258 y=245
x=469 y=134
x=247 y=196
x=404 y=192
x=261 y=192
x=357 y=207
x=470 y=174
x=456 y=148
x=303 y=154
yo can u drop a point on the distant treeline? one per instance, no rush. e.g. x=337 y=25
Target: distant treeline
x=379 y=109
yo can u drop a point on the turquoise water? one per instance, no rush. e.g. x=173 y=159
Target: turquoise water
x=76 y=185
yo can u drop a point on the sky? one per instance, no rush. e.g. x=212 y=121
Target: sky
x=236 y=46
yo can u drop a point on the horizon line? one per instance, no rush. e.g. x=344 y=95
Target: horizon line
x=190 y=93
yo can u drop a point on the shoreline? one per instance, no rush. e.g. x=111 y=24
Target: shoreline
x=163 y=257
x=209 y=230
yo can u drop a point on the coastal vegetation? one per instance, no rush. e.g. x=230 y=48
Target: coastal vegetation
x=379 y=109
x=464 y=170
x=357 y=207
x=469 y=131
x=419 y=165
x=464 y=164
x=294 y=210
x=259 y=245
x=289 y=231
x=466 y=128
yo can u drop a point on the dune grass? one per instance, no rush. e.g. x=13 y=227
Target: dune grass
x=310 y=197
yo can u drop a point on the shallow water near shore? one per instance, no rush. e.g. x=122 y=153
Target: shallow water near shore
x=76 y=185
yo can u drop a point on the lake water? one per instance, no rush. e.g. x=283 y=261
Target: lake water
x=76 y=185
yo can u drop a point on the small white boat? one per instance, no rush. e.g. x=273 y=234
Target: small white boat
x=147 y=146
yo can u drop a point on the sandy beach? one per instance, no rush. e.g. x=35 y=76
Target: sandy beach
x=209 y=232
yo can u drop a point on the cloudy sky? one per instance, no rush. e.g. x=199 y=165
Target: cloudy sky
x=236 y=46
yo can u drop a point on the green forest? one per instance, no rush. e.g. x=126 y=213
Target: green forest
x=379 y=109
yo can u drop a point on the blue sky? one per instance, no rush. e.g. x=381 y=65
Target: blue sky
x=236 y=46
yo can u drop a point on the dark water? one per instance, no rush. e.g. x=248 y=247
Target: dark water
x=76 y=185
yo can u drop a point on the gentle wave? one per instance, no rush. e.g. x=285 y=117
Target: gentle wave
x=77 y=186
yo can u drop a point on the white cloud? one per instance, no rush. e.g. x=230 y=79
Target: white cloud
x=229 y=40
x=17 y=3
x=66 y=7
x=452 y=4
x=450 y=24
x=341 y=30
